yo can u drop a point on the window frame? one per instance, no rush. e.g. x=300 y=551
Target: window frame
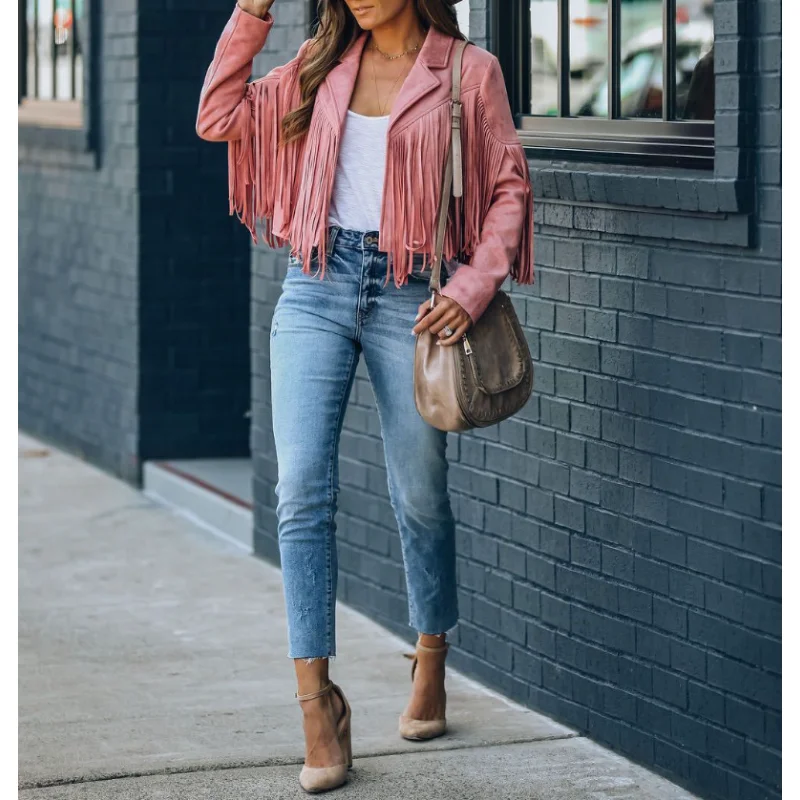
x=70 y=126
x=563 y=173
x=666 y=142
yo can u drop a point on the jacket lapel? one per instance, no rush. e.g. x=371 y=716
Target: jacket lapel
x=422 y=79
x=337 y=88
x=424 y=75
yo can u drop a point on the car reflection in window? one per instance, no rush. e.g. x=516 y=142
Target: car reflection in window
x=642 y=77
x=700 y=99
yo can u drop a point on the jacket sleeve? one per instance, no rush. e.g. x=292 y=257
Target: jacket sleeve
x=247 y=115
x=222 y=111
x=505 y=243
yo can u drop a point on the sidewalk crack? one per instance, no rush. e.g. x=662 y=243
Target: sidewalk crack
x=279 y=762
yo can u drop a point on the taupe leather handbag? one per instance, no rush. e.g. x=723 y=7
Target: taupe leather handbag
x=488 y=376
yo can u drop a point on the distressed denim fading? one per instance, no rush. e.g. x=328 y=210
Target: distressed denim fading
x=319 y=330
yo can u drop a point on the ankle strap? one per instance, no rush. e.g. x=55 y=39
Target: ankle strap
x=432 y=649
x=312 y=695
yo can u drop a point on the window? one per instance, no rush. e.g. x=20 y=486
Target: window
x=51 y=62
x=462 y=12
x=613 y=80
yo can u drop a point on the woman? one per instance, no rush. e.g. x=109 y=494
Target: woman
x=340 y=154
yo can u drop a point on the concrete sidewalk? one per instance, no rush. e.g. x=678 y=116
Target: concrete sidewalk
x=152 y=664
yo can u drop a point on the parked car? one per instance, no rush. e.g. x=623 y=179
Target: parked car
x=641 y=78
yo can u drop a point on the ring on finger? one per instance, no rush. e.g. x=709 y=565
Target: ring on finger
x=448 y=330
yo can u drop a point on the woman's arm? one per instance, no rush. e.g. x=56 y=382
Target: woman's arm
x=505 y=245
x=222 y=113
x=247 y=116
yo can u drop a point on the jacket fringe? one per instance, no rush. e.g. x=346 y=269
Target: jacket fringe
x=310 y=204
x=262 y=185
x=411 y=189
x=522 y=270
x=483 y=156
x=285 y=189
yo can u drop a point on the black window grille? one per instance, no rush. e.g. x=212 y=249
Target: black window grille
x=613 y=80
x=51 y=49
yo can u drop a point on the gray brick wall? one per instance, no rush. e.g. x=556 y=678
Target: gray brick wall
x=619 y=541
x=134 y=283
x=78 y=272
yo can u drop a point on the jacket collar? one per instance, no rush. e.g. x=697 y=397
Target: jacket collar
x=422 y=79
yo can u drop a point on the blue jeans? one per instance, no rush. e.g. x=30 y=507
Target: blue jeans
x=319 y=330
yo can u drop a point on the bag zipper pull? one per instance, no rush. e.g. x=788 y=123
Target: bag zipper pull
x=467 y=346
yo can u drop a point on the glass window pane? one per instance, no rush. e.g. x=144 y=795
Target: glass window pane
x=588 y=53
x=63 y=30
x=80 y=26
x=45 y=49
x=588 y=46
x=544 y=57
x=694 y=62
x=78 y=73
x=30 y=73
x=641 y=70
x=462 y=11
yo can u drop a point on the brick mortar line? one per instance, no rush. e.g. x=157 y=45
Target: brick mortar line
x=279 y=762
x=600 y=611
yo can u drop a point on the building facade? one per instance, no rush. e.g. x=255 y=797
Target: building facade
x=619 y=541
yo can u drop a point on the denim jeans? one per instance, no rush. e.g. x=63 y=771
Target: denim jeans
x=319 y=330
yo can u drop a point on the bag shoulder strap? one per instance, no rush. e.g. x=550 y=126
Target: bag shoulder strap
x=453 y=172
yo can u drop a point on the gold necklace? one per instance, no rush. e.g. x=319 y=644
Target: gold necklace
x=382 y=109
x=400 y=55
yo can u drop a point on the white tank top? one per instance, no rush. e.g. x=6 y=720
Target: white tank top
x=358 y=182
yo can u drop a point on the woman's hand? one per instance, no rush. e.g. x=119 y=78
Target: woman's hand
x=258 y=8
x=446 y=312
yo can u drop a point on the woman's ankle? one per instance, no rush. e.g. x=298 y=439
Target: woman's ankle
x=312 y=675
x=432 y=640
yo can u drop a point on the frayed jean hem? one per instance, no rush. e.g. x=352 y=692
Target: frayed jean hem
x=443 y=630
x=312 y=658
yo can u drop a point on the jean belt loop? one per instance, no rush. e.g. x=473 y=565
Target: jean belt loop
x=333 y=232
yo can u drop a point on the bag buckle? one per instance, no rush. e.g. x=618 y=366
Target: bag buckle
x=457 y=113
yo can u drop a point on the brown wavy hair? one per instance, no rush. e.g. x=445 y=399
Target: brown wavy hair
x=336 y=31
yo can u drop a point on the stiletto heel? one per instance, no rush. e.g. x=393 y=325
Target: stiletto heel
x=421 y=729
x=345 y=738
x=322 y=779
x=348 y=748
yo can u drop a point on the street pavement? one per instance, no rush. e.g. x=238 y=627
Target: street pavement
x=152 y=664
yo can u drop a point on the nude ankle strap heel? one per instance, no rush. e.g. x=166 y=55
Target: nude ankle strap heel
x=322 y=779
x=422 y=729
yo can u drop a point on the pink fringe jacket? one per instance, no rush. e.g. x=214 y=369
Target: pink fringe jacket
x=287 y=188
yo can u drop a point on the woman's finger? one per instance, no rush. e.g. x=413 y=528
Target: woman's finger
x=456 y=336
x=422 y=310
x=451 y=319
x=431 y=317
